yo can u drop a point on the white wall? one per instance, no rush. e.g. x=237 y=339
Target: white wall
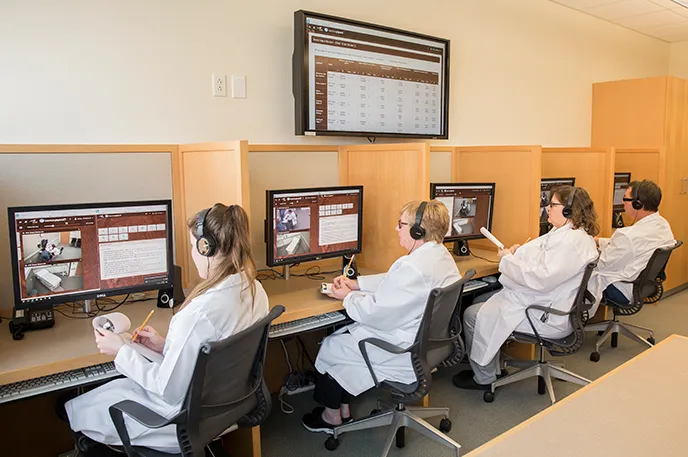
x=132 y=71
x=679 y=60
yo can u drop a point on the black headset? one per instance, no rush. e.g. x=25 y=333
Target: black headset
x=205 y=244
x=567 y=211
x=635 y=194
x=417 y=232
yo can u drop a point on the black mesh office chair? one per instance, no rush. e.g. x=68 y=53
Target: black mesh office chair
x=647 y=288
x=227 y=388
x=569 y=345
x=438 y=343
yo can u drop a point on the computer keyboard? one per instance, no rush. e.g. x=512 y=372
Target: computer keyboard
x=57 y=381
x=308 y=323
x=473 y=285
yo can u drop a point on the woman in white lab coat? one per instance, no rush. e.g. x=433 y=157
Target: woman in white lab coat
x=228 y=300
x=546 y=271
x=388 y=306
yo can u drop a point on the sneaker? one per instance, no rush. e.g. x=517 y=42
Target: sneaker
x=315 y=423
x=464 y=380
x=319 y=410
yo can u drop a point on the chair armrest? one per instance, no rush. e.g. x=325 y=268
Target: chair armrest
x=385 y=346
x=140 y=414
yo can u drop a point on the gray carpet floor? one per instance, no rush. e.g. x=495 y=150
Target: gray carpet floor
x=474 y=421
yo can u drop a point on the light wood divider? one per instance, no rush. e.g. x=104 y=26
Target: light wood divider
x=204 y=174
x=516 y=172
x=392 y=174
x=593 y=169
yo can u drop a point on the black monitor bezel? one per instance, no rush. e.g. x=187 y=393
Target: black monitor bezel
x=300 y=78
x=478 y=236
x=51 y=301
x=269 y=227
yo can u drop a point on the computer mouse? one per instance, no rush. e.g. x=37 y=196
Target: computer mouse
x=490 y=279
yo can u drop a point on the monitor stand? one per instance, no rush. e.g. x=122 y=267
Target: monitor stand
x=461 y=248
x=286 y=273
x=89 y=305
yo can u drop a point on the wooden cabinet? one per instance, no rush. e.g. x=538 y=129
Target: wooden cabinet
x=651 y=113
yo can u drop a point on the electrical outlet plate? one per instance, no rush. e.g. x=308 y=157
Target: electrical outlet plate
x=219 y=85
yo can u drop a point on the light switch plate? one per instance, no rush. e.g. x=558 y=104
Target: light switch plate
x=238 y=86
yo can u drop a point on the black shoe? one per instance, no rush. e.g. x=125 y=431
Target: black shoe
x=319 y=410
x=464 y=380
x=315 y=423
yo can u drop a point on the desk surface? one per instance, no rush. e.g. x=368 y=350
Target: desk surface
x=481 y=267
x=68 y=345
x=636 y=410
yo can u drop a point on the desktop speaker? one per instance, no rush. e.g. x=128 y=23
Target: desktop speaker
x=173 y=296
x=461 y=248
x=352 y=271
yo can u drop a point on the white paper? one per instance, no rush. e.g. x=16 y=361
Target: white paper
x=133 y=258
x=338 y=229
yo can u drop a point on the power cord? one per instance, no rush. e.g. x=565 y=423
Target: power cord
x=481 y=258
x=315 y=275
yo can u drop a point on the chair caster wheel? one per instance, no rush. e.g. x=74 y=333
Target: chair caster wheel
x=595 y=356
x=600 y=333
x=615 y=340
x=401 y=437
x=374 y=411
x=488 y=397
x=331 y=443
x=445 y=425
x=651 y=341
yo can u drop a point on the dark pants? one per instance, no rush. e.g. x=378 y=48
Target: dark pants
x=612 y=294
x=328 y=392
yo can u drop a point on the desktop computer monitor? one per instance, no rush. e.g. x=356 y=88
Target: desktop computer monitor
x=64 y=253
x=470 y=206
x=621 y=183
x=313 y=224
x=546 y=187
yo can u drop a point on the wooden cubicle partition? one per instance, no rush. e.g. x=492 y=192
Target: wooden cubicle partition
x=204 y=174
x=515 y=170
x=593 y=169
x=391 y=175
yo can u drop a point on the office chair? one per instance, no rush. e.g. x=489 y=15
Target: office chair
x=568 y=345
x=437 y=343
x=647 y=288
x=227 y=388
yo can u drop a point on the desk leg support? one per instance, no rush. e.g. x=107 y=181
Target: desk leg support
x=244 y=442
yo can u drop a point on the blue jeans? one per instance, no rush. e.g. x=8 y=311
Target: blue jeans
x=611 y=293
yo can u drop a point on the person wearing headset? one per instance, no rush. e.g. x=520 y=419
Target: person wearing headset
x=387 y=306
x=546 y=271
x=228 y=300
x=626 y=253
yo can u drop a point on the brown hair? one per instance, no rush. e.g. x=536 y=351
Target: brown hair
x=228 y=225
x=435 y=219
x=649 y=194
x=584 y=214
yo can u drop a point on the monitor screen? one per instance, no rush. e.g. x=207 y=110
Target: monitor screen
x=470 y=207
x=313 y=224
x=621 y=183
x=64 y=253
x=546 y=186
x=357 y=78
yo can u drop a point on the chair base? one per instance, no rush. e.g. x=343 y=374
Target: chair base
x=541 y=368
x=401 y=416
x=614 y=327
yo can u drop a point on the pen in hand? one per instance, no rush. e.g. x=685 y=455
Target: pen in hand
x=136 y=333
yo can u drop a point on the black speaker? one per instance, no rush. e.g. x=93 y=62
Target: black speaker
x=352 y=271
x=173 y=296
x=461 y=248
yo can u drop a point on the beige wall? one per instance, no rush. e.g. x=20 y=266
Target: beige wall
x=132 y=71
x=33 y=179
x=679 y=60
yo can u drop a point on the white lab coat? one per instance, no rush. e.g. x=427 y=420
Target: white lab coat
x=216 y=314
x=389 y=306
x=546 y=272
x=626 y=253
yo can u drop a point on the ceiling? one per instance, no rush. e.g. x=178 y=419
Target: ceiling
x=663 y=19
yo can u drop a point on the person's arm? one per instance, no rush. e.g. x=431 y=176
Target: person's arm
x=392 y=305
x=618 y=253
x=169 y=379
x=544 y=270
x=603 y=243
x=370 y=283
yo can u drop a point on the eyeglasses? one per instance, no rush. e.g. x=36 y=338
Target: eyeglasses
x=552 y=204
x=400 y=224
x=627 y=199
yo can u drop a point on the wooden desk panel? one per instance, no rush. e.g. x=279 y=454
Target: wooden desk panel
x=68 y=345
x=647 y=394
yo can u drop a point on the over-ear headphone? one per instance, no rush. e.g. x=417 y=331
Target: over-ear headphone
x=417 y=232
x=205 y=244
x=635 y=194
x=567 y=211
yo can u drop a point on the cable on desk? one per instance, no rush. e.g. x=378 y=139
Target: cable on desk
x=481 y=258
x=315 y=275
x=271 y=274
x=117 y=305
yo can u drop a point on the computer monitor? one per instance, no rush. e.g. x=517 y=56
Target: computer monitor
x=546 y=186
x=470 y=206
x=621 y=183
x=312 y=224
x=64 y=253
